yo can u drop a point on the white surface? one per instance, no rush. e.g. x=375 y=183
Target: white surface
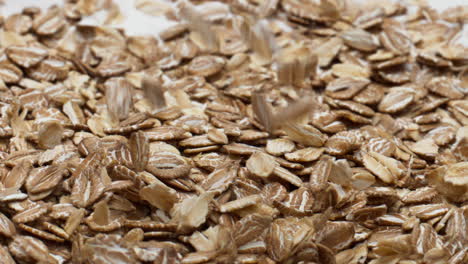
x=136 y=23
x=139 y=23
x=444 y=4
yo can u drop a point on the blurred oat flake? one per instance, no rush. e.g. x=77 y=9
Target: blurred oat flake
x=136 y=17
x=149 y=17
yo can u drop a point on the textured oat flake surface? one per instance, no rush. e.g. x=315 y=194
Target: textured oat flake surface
x=242 y=131
x=138 y=23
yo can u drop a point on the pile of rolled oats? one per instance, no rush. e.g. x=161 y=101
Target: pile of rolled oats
x=253 y=131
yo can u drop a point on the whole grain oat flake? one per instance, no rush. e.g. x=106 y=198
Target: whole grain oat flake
x=247 y=131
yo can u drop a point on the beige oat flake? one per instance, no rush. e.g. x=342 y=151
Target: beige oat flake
x=248 y=131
